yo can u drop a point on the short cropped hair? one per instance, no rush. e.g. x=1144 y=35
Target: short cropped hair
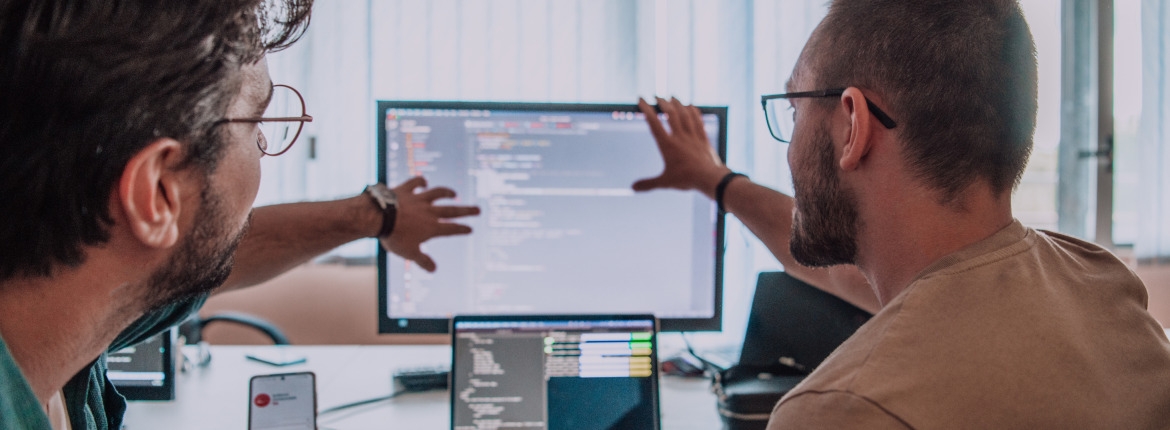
x=959 y=77
x=86 y=85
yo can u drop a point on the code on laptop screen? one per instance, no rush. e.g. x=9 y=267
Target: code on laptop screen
x=579 y=374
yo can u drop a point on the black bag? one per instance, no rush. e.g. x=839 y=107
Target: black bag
x=792 y=328
x=747 y=394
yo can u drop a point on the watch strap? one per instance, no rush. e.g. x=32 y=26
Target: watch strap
x=389 y=216
x=722 y=188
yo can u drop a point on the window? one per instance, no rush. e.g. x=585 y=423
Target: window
x=1112 y=189
x=1127 y=114
x=1034 y=202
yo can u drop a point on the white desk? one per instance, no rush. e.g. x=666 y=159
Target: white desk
x=216 y=396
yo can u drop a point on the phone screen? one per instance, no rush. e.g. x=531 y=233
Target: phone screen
x=283 y=402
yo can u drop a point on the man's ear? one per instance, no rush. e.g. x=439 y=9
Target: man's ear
x=150 y=193
x=860 y=119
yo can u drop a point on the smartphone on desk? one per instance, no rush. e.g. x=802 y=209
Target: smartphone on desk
x=285 y=401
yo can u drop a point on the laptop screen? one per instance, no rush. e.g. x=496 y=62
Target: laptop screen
x=550 y=372
x=145 y=371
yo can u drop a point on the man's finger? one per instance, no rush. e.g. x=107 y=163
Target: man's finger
x=424 y=261
x=672 y=116
x=411 y=184
x=649 y=184
x=454 y=211
x=437 y=193
x=685 y=126
x=451 y=229
x=652 y=119
x=695 y=118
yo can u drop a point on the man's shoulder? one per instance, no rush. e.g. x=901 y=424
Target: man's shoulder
x=1086 y=254
x=1039 y=262
x=1019 y=247
x=1045 y=323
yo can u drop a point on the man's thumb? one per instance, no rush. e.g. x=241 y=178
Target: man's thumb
x=648 y=184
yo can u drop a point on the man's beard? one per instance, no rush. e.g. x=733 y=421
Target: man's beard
x=202 y=262
x=825 y=223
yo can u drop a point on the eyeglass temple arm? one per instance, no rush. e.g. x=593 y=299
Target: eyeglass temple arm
x=302 y=118
x=880 y=115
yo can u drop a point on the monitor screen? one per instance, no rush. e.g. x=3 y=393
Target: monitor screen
x=561 y=231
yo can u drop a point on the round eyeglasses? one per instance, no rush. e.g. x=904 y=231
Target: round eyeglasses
x=282 y=122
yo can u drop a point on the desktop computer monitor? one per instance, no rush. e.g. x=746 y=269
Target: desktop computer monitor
x=561 y=231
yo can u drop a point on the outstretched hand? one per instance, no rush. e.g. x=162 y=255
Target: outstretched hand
x=690 y=161
x=419 y=220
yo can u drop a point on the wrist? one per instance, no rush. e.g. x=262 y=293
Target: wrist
x=386 y=202
x=367 y=218
x=721 y=188
x=710 y=181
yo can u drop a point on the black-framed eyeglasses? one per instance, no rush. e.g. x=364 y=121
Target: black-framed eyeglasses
x=282 y=122
x=780 y=116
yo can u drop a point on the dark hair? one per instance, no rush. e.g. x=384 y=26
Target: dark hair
x=85 y=85
x=958 y=76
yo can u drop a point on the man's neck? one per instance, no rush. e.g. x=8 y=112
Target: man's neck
x=896 y=245
x=56 y=326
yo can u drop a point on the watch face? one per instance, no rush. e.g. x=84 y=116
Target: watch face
x=387 y=202
x=387 y=194
x=383 y=195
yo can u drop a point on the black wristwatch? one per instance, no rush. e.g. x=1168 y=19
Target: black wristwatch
x=385 y=199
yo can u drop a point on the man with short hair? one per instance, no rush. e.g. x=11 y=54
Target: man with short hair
x=130 y=162
x=910 y=124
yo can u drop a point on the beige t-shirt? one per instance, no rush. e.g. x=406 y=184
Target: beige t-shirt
x=1025 y=329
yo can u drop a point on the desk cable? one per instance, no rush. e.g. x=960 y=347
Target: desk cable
x=339 y=408
x=414 y=380
x=707 y=364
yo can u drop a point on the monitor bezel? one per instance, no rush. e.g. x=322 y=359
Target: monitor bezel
x=390 y=325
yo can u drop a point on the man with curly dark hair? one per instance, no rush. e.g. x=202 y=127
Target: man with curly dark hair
x=130 y=160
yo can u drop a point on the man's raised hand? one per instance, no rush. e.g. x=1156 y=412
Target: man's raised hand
x=691 y=163
x=419 y=220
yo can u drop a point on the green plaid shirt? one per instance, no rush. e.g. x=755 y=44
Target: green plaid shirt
x=91 y=399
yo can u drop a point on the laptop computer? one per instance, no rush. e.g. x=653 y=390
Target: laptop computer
x=583 y=372
x=145 y=371
x=796 y=323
